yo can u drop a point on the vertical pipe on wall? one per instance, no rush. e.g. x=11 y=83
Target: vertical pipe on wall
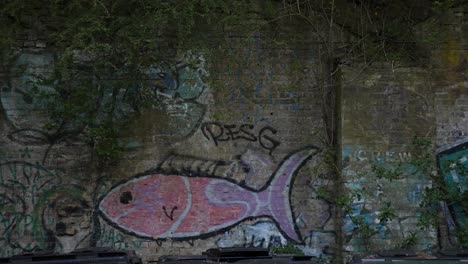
x=331 y=114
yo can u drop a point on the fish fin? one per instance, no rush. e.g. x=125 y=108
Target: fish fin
x=279 y=191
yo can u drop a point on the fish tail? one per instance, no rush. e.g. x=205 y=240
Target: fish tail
x=278 y=191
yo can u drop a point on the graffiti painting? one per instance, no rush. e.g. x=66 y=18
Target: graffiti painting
x=23 y=186
x=159 y=206
x=453 y=166
x=178 y=90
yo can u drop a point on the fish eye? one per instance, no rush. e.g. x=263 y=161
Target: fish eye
x=126 y=197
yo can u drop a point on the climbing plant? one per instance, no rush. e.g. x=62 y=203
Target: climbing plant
x=354 y=214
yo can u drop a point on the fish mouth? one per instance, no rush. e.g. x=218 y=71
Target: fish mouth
x=101 y=209
x=118 y=196
x=117 y=204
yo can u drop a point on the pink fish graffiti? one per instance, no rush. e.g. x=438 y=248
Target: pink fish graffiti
x=159 y=206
